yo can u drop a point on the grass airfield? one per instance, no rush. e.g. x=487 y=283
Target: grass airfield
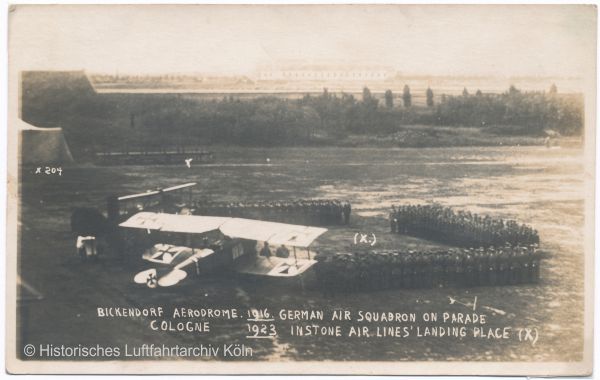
x=534 y=185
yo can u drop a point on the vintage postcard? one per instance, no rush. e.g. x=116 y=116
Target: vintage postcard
x=301 y=189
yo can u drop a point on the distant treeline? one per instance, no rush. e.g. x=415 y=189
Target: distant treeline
x=103 y=122
x=514 y=112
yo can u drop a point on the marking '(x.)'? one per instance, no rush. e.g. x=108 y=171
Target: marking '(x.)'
x=360 y=238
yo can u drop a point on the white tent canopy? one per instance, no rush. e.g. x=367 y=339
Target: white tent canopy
x=41 y=146
x=274 y=233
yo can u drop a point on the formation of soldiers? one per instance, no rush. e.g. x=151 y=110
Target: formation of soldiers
x=462 y=229
x=376 y=270
x=307 y=212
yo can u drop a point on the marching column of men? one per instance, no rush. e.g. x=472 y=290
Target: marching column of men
x=463 y=229
x=307 y=212
x=375 y=270
x=512 y=257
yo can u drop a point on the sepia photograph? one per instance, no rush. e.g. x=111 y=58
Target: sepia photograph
x=301 y=189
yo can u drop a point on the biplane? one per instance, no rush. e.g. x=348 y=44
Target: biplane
x=178 y=245
x=169 y=199
x=160 y=226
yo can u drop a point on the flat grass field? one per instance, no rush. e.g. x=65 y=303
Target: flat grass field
x=534 y=185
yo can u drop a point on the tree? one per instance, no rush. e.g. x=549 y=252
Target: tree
x=429 y=94
x=465 y=92
x=389 y=99
x=553 y=89
x=478 y=93
x=366 y=94
x=406 y=96
x=367 y=112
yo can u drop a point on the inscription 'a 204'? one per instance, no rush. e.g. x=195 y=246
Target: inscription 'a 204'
x=49 y=170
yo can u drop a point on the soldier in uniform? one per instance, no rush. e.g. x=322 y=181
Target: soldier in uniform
x=428 y=270
x=340 y=272
x=373 y=269
x=400 y=216
x=339 y=212
x=314 y=213
x=407 y=270
x=347 y=209
x=275 y=212
x=514 y=267
x=393 y=220
x=536 y=237
x=282 y=252
x=481 y=264
x=535 y=264
x=367 y=270
x=332 y=214
x=523 y=265
x=396 y=271
x=458 y=268
x=386 y=269
x=448 y=275
x=417 y=273
x=469 y=268
x=266 y=251
x=416 y=270
x=437 y=270
x=353 y=273
x=326 y=275
x=493 y=261
x=503 y=274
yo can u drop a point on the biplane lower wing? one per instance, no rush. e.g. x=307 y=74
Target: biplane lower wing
x=161 y=277
x=171 y=262
x=273 y=266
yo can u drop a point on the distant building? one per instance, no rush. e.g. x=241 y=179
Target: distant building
x=325 y=73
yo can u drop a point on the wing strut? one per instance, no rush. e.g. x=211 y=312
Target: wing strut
x=295 y=258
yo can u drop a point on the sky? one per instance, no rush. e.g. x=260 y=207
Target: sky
x=498 y=40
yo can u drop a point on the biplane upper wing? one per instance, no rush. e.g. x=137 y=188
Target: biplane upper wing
x=293 y=235
x=192 y=224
